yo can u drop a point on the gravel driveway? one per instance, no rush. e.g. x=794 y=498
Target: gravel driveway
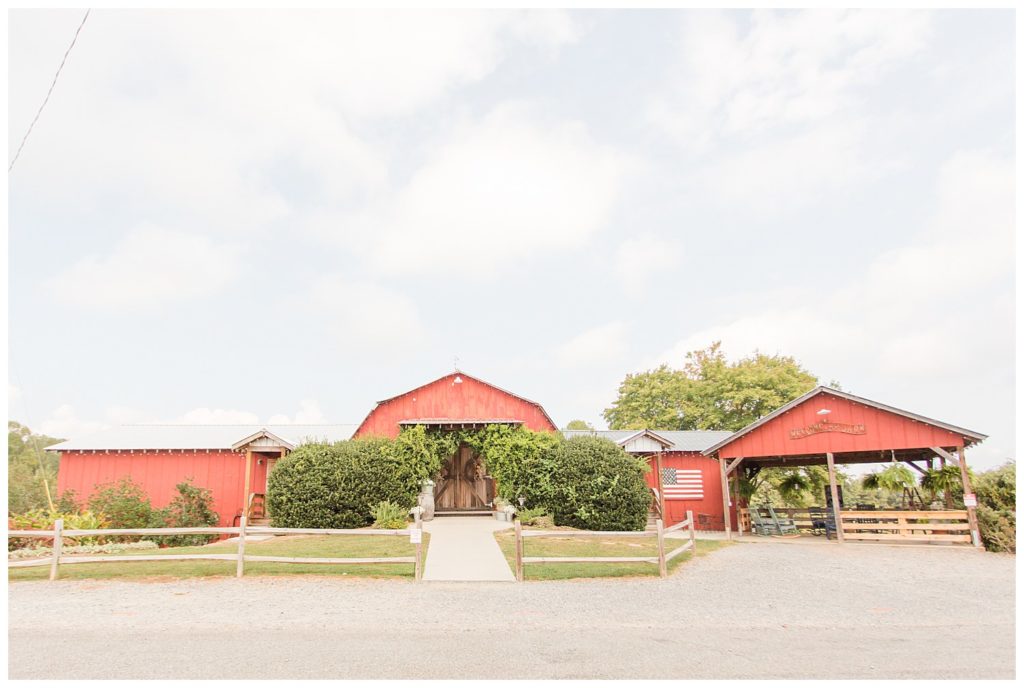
x=747 y=611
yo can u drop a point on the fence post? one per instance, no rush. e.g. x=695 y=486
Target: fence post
x=418 y=574
x=519 y=550
x=240 y=569
x=58 y=542
x=693 y=534
x=662 y=566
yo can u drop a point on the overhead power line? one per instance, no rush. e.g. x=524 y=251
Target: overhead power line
x=47 y=98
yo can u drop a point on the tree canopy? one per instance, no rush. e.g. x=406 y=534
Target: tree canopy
x=30 y=470
x=708 y=393
x=579 y=425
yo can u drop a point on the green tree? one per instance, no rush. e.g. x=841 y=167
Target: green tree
x=579 y=425
x=708 y=393
x=31 y=472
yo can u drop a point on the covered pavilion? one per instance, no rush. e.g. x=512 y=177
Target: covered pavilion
x=827 y=427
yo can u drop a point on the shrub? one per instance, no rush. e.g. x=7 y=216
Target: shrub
x=997 y=503
x=337 y=485
x=530 y=517
x=389 y=516
x=41 y=519
x=123 y=504
x=192 y=507
x=68 y=502
x=598 y=486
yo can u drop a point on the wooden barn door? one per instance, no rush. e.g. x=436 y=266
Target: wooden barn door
x=463 y=485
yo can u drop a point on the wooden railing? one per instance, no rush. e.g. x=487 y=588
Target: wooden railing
x=891 y=525
x=57 y=559
x=661 y=559
x=906 y=526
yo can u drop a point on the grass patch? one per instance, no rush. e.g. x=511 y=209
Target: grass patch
x=286 y=546
x=612 y=546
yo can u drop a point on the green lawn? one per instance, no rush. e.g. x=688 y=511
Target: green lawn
x=612 y=546
x=288 y=546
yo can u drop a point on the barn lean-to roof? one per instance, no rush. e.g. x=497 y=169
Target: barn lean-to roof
x=215 y=437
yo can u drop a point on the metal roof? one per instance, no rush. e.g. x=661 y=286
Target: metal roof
x=199 y=436
x=821 y=389
x=681 y=440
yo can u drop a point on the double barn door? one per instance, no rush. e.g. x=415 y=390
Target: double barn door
x=463 y=485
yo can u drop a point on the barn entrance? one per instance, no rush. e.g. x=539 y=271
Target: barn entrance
x=464 y=486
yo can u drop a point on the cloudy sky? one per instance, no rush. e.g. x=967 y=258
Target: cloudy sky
x=238 y=217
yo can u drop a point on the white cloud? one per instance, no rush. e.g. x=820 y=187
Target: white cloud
x=149 y=266
x=597 y=345
x=786 y=68
x=65 y=423
x=365 y=317
x=225 y=117
x=495 y=192
x=309 y=413
x=639 y=259
x=216 y=416
x=783 y=117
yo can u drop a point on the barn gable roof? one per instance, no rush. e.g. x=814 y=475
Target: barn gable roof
x=455 y=374
x=969 y=435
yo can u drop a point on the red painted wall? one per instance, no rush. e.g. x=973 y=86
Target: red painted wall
x=471 y=400
x=711 y=505
x=222 y=472
x=883 y=430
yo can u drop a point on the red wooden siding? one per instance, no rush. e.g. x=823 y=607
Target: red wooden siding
x=882 y=430
x=222 y=472
x=711 y=504
x=472 y=399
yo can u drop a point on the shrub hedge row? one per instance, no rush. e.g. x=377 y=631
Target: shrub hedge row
x=584 y=482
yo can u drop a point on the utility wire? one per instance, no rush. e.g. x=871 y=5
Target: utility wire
x=47 y=98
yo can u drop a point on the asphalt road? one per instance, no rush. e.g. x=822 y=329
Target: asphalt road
x=748 y=611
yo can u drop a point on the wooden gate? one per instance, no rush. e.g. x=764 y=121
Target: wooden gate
x=463 y=485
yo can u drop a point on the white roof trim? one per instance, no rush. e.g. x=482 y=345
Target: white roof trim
x=645 y=433
x=260 y=434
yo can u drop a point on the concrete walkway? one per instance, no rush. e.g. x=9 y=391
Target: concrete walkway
x=462 y=548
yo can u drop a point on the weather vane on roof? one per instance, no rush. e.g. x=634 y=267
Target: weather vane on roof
x=456 y=364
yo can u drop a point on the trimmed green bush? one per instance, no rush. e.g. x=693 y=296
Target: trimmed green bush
x=337 y=485
x=596 y=485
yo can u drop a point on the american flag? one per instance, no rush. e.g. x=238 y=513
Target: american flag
x=682 y=483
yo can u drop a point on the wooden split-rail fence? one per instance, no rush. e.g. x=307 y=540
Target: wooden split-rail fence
x=661 y=559
x=57 y=559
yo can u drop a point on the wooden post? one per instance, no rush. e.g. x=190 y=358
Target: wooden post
x=419 y=545
x=662 y=566
x=736 y=500
x=836 y=513
x=661 y=489
x=972 y=511
x=693 y=533
x=248 y=482
x=240 y=568
x=58 y=543
x=519 y=550
x=725 y=499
